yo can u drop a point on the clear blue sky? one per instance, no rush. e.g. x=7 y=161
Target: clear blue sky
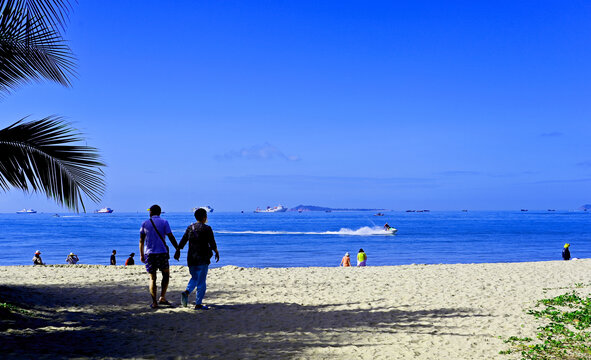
x=414 y=104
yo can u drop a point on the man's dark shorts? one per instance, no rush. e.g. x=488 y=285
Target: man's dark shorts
x=155 y=262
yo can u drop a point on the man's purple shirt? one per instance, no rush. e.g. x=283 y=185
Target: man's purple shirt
x=153 y=244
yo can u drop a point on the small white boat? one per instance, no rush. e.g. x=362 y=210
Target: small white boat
x=274 y=209
x=26 y=211
x=209 y=209
x=104 y=210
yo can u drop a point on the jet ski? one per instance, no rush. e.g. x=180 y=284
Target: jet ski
x=391 y=230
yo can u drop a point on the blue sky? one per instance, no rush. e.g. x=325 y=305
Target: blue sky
x=415 y=104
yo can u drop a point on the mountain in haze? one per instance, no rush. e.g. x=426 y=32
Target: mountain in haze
x=585 y=207
x=321 y=208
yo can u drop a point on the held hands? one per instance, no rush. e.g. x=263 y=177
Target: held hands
x=177 y=254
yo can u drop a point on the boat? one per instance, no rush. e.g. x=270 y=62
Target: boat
x=209 y=209
x=379 y=214
x=410 y=210
x=464 y=210
x=524 y=210
x=275 y=209
x=26 y=211
x=104 y=210
x=551 y=210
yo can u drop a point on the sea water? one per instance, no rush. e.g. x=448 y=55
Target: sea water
x=310 y=238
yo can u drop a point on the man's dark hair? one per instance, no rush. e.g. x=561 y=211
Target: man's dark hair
x=200 y=214
x=155 y=210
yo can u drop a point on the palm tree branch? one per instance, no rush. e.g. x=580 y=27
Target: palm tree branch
x=30 y=51
x=53 y=13
x=38 y=156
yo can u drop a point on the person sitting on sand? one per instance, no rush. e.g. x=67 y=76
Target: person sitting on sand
x=72 y=259
x=113 y=259
x=361 y=258
x=154 y=253
x=130 y=260
x=37 y=258
x=346 y=261
x=202 y=245
x=566 y=252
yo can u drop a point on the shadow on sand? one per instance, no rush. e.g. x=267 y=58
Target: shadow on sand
x=61 y=326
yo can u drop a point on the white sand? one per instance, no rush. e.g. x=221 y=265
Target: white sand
x=402 y=312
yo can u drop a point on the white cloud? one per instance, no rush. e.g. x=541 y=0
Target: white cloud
x=258 y=152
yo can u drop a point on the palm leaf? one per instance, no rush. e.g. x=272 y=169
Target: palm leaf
x=53 y=13
x=39 y=156
x=30 y=50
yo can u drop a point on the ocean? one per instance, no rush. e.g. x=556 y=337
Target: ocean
x=294 y=239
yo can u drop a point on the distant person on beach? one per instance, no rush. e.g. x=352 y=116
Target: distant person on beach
x=113 y=259
x=72 y=259
x=346 y=261
x=155 y=254
x=566 y=252
x=37 y=258
x=361 y=258
x=201 y=248
x=130 y=260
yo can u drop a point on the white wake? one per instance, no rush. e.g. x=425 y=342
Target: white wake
x=364 y=231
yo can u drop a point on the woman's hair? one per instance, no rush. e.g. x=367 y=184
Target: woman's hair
x=360 y=250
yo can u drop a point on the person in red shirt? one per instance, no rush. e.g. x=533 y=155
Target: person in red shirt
x=130 y=260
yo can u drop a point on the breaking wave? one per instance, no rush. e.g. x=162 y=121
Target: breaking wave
x=363 y=231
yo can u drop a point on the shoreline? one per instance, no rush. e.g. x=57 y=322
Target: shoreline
x=396 y=312
x=214 y=266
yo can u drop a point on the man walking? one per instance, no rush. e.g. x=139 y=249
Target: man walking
x=201 y=246
x=154 y=252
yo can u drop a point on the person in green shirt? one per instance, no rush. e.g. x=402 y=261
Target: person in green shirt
x=361 y=258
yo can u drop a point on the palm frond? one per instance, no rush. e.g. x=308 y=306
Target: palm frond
x=53 y=13
x=39 y=156
x=29 y=49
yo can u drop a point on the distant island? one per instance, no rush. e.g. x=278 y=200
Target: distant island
x=585 y=207
x=321 y=208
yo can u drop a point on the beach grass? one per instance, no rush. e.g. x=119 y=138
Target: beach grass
x=564 y=332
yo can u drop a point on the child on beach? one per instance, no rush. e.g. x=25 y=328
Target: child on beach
x=113 y=259
x=201 y=247
x=72 y=259
x=37 y=258
x=361 y=258
x=346 y=261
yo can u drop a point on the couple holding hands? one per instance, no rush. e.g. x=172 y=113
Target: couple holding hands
x=155 y=254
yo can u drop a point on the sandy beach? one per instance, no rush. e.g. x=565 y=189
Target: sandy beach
x=417 y=311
